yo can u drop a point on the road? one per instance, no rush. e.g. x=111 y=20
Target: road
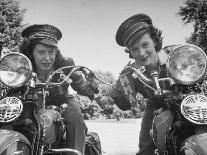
x=117 y=137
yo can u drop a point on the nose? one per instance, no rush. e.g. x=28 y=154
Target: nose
x=142 y=52
x=47 y=56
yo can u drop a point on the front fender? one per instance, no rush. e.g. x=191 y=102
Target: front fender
x=160 y=128
x=196 y=145
x=13 y=143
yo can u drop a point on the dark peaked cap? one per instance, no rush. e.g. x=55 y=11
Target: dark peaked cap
x=47 y=34
x=138 y=23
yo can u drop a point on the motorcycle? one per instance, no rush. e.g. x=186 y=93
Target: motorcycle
x=180 y=125
x=26 y=130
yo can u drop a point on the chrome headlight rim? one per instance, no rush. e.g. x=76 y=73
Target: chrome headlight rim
x=194 y=109
x=29 y=73
x=182 y=81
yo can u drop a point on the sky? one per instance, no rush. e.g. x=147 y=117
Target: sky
x=89 y=27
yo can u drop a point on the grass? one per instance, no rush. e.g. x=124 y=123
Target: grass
x=117 y=137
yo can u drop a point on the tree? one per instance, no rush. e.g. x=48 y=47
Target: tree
x=106 y=77
x=195 y=11
x=105 y=102
x=11 y=18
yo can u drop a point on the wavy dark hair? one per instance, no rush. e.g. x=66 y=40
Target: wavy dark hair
x=28 y=46
x=156 y=36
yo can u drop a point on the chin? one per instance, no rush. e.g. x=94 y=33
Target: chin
x=46 y=69
x=146 y=64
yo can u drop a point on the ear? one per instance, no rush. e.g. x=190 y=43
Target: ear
x=128 y=51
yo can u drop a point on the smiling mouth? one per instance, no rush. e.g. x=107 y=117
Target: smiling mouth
x=143 y=59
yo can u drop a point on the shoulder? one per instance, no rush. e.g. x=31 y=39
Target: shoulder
x=162 y=57
x=164 y=53
x=125 y=70
x=170 y=48
x=68 y=61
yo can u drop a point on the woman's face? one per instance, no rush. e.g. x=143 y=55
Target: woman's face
x=143 y=50
x=44 y=57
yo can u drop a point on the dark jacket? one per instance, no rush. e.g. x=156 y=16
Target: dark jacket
x=125 y=91
x=58 y=96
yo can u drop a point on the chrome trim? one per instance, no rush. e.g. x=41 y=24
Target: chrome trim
x=17 y=153
x=66 y=150
x=29 y=63
x=18 y=140
x=183 y=82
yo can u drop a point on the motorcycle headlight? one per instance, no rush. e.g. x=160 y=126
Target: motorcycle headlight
x=187 y=64
x=15 y=69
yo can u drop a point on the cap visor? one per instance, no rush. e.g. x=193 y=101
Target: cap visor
x=48 y=42
x=136 y=36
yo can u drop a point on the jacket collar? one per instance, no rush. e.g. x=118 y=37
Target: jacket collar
x=163 y=57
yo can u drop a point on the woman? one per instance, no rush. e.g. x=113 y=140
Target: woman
x=143 y=43
x=40 y=46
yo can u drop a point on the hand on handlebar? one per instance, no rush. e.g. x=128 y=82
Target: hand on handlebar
x=92 y=87
x=98 y=89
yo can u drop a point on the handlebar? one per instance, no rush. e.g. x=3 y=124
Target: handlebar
x=66 y=77
x=89 y=74
x=42 y=85
x=137 y=73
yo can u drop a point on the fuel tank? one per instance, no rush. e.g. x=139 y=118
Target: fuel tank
x=53 y=127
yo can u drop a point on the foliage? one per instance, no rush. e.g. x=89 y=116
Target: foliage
x=106 y=76
x=105 y=102
x=104 y=106
x=11 y=18
x=90 y=109
x=195 y=11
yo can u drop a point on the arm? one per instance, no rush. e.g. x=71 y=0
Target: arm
x=79 y=83
x=116 y=94
x=119 y=98
x=123 y=91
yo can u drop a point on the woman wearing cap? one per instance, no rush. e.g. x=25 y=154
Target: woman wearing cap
x=143 y=43
x=40 y=46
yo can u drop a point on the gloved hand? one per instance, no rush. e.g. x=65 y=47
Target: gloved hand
x=92 y=88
